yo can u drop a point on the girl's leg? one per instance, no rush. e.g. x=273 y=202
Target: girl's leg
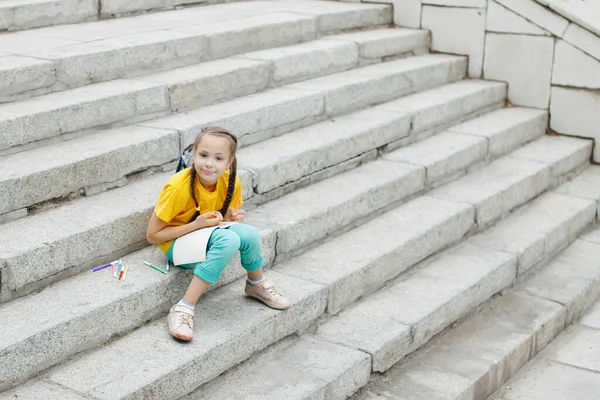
x=252 y=258
x=222 y=246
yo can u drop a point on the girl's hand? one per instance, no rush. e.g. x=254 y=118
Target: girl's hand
x=208 y=219
x=234 y=215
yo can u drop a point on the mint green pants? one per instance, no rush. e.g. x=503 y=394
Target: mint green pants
x=222 y=246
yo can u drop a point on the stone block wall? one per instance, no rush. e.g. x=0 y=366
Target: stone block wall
x=547 y=50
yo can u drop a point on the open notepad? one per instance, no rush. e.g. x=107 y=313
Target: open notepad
x=191 y=248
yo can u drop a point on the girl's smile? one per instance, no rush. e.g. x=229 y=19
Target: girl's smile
x=212 y=159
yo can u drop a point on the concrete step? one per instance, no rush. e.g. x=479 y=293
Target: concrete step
x=47 y=117
x=459 y=277
x=215 y=81
x=87 y=53
x=92 y=160
x=25 y=14
x=392 y=334
x=445 y=221
x=479 y=355
x=260 y=116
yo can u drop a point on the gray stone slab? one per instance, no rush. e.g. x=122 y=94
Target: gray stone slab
x=584 y=185
x=90 y=300
x=211 y=82
x=542 y=227
x=111 y=7
x=254 y=33
x=506 y=129
x=16 y=15
x=65 y=167
x=364 y=259
x=333 y=17
x=25 y=42
x=308 y=60
x=578 y=346
x=309 y=150
x=571 y=279
x=41 y=390
x=123 y=56
x=434 y=107
x=308 y=368
x=593 y=236
x=375 y=84
x=562 y=154
x=82 y=108
x=381 y=43
x=229 y=328
x=20 y=74
x=252 y=118
x=422 y=303
x=443 y=155
x=551 y=380
x=341 y=200
x=592 y=317
x=476 y=357
x=498 y=187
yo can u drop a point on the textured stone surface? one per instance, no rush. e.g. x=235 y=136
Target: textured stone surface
x=82 y=108
x=307 y=60
x=457 y=31
x=561 y=154
x=541 y=228
x=443 y=155
x=252 y=118
x=28 y=14
x=308 y=368
x=506 y=129
x=592 y=317
x=407 y=13
x=503 y=20
x=584 y=185
x=379 y=43
x=211 y=82
x=571 y=279
x=575 y=112
x=20 y=74
x=309 y=150
x=529 y=71
x=476 y=357
x=547 y=380
x=583 y=40
x=572 y=67
x=109 y=7
x=457 y=3
x=159 y=366
x=537 y=14
x=582 y=13
x=65 y=167
x=498 y=187
x=448 y=103
x=41 y=390
x=343 y=200
x=374 y=84
x=363 y=259
x=103 y=60
x=254 y=33
x=402 y=317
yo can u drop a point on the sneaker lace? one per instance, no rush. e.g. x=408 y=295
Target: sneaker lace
x=272 y=291
x=186 y=320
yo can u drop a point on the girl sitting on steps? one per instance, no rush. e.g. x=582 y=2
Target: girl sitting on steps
x=209 y=186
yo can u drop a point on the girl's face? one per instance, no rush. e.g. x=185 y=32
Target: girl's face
x=211 y=159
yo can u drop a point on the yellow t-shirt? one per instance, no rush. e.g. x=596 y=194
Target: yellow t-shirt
x=175 y=205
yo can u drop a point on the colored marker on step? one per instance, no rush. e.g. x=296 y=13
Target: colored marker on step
x=155 y=267
x=101 y=267
x=126 y=269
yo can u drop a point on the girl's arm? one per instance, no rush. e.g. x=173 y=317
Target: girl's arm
x=159 y=232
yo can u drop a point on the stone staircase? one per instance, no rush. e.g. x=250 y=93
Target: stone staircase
x=394 y=198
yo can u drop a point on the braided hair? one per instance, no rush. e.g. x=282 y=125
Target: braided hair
x=219 y=132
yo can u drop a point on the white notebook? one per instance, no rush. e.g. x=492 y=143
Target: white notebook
x=191 y=248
